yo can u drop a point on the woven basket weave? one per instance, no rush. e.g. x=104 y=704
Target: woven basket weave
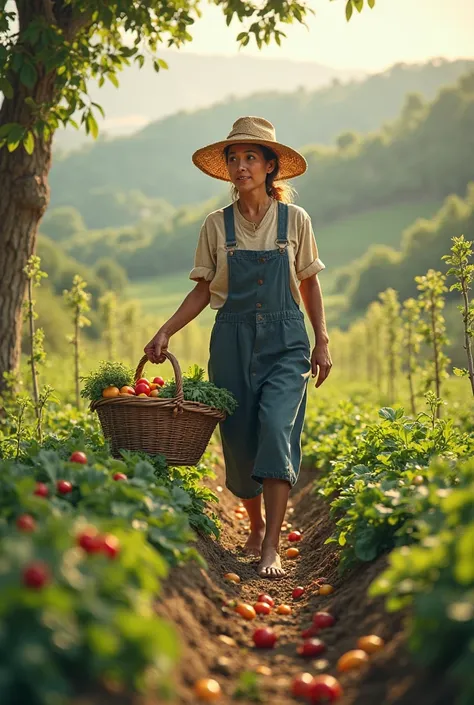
x=178 y=429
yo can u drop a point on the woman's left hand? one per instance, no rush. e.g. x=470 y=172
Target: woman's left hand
x=320 y=363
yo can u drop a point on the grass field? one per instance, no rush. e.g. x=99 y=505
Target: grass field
x=339 y=244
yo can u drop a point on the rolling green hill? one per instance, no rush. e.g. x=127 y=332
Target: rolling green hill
x=104 y=180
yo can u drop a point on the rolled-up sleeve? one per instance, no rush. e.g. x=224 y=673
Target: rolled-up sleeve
x=307 y=260
x=205 y=257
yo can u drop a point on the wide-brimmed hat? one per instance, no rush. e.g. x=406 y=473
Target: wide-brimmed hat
x=252 y=130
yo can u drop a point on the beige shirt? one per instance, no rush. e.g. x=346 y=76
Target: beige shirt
x=210 y=262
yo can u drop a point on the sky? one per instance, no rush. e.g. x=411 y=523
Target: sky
x=395 y=30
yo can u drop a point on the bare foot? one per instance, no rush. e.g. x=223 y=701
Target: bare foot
x=270 y=565
x=253 y=547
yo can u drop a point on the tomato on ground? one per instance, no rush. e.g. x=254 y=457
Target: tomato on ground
x=324 y=689
x=78 y=457
x=298 y=592
x=295 y=536
x=292 y=553
x=262 y=608
x=311 y=648
x=246 y=611
x=207 y=689
x=352 y=660
x=309 y=632
x=36 y=575
x=232 y=577
x=264 y=638
x=323 y=620
x=300 y=685
x=284 y=609
x=370 y=643
x=266 y=598
x=326 y=589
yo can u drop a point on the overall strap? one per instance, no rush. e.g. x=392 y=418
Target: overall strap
x=230 y=240
x=282 y=232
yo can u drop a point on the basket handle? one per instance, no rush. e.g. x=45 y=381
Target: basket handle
x=177 y=374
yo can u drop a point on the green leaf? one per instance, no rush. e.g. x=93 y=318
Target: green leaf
x=371 y=4
x=92 y=126
x=113 y=79
x=6 y=88
x=349 y=10
x=28 y=75
x=29 y=142
x=359 y=4
x=14 y=137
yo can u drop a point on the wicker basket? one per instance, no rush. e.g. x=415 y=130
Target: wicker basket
x=178 y=429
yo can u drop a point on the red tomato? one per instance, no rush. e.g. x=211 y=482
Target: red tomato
x=41 y=489
x=127 y=390
x=311 y=648
x=310 y=632
x=295 y=536
x=264 y=638
x=110 y=545
x=298 y=592
x=142 y=380
x=323 y=620
x=25 y=522
x=324 y=689
x=246 y=611
x=266 y=598
x=159 y=380
x=78 y=457
x=142 y=389
x=89 y=540
x=301 y=684
x=63 y=486
x=120 y=476
x=262 y=608
x=36 y=575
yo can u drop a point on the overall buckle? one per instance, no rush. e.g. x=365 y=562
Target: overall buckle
x=282 y=245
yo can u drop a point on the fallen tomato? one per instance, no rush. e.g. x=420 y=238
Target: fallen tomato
x=63 y=486
x=309 y=632
x=323 y=620
x=266 y=598
x=284 y=609
x=300 y=685
x=120 y=476
x=246 y=611
x=41 y=490
x=25 y=522
x=352 y=660
x=232 y=577
x=324 y=689
x=207 y=689
x=311 y=648
x=292 y=553
x=370 y=644
x=36 y=575
x=264 y=638
x=295 y=536
x=262 y=608
x=298 y=592
x=78 y=457
x=326 y=589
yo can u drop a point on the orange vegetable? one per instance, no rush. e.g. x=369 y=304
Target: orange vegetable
x=207 y=689
x=110 y=392
x=153 y=386
x=127 y=390
x=232 y=577
x=352 y=660
x=326 y=589
x=154 y=393
x=370 y=644
x=292 y=553
x=246 y=611
x=284 y=609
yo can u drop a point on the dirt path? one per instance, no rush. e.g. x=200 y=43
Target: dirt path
x=217 y=643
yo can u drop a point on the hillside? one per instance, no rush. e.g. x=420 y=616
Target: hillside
x=156 y=162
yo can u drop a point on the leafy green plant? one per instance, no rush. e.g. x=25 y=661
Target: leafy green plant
x=77 y=300
x=196 y=388
x=108 y=374
x=248 y=688
x=34 y=275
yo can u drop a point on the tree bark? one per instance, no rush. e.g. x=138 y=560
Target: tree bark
x=24 y=198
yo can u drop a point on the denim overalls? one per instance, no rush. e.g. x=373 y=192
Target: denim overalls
x=260 y=351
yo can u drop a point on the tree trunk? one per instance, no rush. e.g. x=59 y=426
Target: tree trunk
x=24 y=198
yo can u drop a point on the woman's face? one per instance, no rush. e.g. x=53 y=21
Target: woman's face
x=248 y=168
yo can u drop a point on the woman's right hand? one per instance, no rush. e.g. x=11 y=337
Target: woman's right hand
x=154 y=349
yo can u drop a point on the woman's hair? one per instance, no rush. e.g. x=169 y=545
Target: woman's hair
x=282 y=192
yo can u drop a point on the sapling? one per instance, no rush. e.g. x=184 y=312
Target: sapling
x=411 y=344
x=77 y=300
x=433 y=331
x=34 y=276
x=391 y=318
x=463 y=271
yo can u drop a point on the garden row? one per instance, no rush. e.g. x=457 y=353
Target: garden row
x=85 y=541
x=404 y=486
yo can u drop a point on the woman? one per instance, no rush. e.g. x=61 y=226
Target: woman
x=255 y=259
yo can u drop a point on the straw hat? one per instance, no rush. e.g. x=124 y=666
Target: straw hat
x=252 y=130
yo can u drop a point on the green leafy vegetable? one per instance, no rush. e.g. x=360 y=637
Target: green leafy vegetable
x=196 y=388
x=114 y=374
